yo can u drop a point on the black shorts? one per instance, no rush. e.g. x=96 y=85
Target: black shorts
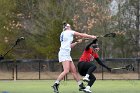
x=83 y=67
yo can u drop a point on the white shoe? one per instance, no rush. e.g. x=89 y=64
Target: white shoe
x=87 y=90
x=86 y=79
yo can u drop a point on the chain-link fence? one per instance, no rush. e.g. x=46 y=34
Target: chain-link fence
x=37 y=69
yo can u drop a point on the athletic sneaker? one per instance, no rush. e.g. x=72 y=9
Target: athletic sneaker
x=55 y=88
x=86 y=79
x=81 y=87
x=87 y=90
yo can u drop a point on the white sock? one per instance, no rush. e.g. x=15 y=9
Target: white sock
x=79 y=82
x=88 y=87
x=57 y=81
x=87 y=76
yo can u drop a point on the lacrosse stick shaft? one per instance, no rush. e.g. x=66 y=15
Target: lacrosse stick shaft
x=17 y=41
x=9 y=50
x=118 y=68
x=106 y=35
x=128 y=67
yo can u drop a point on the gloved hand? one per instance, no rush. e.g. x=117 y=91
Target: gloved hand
x=1 y=57
x=109 y=69
x=94 y=41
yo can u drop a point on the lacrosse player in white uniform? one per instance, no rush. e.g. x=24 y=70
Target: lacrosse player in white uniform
x=64 y=56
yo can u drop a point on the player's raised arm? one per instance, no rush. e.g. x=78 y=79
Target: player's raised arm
x=75 y=43
x=84 y=35
x=93 y=42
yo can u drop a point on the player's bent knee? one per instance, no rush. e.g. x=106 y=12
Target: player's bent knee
x=66 y=71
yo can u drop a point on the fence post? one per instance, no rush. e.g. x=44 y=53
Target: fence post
x=39 y=69
x=13 y=73
x=104 y=60
x=138 y=69
x=102 y=73
x=14 y=70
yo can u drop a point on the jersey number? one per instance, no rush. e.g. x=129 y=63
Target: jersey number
x=61 y=38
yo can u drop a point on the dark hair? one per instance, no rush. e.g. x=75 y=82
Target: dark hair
x=64 y=25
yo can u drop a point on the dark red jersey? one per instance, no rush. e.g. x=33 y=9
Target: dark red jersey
x=88 y=55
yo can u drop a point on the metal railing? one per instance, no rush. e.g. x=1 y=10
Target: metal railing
x=39 y=69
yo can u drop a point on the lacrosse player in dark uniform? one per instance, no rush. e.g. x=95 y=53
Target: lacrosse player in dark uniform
x=86 y=67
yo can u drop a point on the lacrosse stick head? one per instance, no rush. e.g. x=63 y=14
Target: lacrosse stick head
x=130 y=67
x=19 y=39
x=110 y=35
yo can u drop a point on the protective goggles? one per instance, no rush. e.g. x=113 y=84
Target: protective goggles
x=95 y=47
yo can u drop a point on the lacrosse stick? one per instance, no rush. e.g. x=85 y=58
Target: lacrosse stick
x=109 y=35
x=106 y=35
x=16 y=42
x=129 y=67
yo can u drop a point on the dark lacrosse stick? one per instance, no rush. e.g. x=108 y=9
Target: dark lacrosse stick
x=129 y=67
x=16 y=42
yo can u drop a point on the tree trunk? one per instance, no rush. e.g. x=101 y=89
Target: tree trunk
x=138 y=27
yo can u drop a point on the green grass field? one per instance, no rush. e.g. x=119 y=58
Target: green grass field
x=44 y=86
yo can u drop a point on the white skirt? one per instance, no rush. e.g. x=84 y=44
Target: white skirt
x=64 y=55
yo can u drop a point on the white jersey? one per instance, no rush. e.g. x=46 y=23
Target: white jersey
x=66 y=39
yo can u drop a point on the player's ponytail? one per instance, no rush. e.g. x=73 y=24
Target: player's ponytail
x=64 y=26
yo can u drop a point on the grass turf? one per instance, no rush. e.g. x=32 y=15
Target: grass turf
x=44 y=86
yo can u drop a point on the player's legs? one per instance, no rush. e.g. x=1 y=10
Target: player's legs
x=92 y=80
x=76 y=76
x=74 y=72
x=90 y=83
x=83 y=68
x=66 y=67
x=91 y=68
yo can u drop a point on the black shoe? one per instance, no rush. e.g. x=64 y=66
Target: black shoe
x=81 y=87
x=55 y=88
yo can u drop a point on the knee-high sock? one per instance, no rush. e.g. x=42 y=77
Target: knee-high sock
x=92 y=80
